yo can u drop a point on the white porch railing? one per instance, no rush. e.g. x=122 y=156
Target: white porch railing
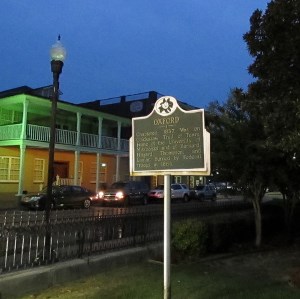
x=89 y=140
x=65 y=136
x=10 y=132
x=40 y=133
x=109 y=142
x=66 y=181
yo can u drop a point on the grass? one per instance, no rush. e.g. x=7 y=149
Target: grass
x=238 y=277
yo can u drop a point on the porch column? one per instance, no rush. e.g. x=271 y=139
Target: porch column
x=100 y=120
x=78 y=125
x=77 y=153
x=98 y=162
x=76 y=167
x=22 y=168
x=118 y=156
x=23 y=147
x=24 y=119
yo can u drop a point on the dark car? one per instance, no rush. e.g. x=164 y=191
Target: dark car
x=206 y=192
x=125 y=193
x=62 y=196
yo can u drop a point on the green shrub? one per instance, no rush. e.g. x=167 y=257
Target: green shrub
x=220 y=236
x=189 y=238
x=225 y=231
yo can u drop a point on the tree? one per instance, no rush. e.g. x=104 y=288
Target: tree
x=274 y=42
x=239 y=151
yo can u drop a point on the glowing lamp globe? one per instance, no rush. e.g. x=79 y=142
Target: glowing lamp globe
x=57 y=51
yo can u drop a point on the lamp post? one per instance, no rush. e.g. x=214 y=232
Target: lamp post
x=57 y=54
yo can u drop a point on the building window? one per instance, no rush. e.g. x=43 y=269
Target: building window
x=9 y=117
x=192 y=182
x=102 y=172
x=80 y=170
x=9 y=169
x=39 y=170
x=62 y=127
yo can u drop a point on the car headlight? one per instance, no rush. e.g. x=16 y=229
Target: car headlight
x=34 y=198
x=120 y=195
x=100 y=194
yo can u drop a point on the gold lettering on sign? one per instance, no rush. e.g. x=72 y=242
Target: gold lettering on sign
x=166 y=121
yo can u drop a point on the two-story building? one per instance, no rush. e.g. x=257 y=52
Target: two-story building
x=137 y=105
x=91 y=147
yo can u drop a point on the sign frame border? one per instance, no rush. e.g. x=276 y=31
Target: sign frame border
x=206 y=170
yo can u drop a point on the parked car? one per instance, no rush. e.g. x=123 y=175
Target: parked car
x=156 y=194
x=125 y=193
x=206 y=192
x=178 y=191
x=62 y=196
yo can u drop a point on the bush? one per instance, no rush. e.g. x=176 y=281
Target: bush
x=226 y=231
x=217 y=234
x=189 y=238
x=220 y=236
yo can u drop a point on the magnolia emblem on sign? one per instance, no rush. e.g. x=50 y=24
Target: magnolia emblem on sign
x=165 y=106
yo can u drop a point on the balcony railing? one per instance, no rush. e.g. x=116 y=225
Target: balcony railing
x=10 y=132
x=42 y=134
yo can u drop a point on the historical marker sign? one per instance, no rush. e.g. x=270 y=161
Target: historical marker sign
x=170 y=140
x=167 y=142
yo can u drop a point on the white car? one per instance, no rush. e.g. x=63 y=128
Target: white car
x=178 y=191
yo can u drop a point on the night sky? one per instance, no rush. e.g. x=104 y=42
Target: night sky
x=192 y=50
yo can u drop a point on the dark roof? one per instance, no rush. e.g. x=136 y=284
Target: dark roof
x=44 y=92
x=16 y=91
x=134 y=105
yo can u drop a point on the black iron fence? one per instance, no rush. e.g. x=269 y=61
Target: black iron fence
x=81 y=233
x=73 y=234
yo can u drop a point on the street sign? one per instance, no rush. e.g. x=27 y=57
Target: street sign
x=170 y=140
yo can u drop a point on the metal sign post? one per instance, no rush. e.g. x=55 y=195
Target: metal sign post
x=169 y=141
x=167 y=236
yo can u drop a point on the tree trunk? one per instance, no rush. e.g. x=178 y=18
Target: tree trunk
x=258 y=191
x=258 y=222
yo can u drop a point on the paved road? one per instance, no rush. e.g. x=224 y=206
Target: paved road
x=21 y=217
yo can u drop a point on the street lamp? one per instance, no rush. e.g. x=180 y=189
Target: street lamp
x=58 y=55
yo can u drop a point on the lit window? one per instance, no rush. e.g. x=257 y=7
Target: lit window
x=9 y=169
x=39 y=167
x=102 y=172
